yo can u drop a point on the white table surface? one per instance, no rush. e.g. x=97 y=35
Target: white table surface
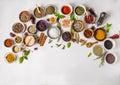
x=53 y=66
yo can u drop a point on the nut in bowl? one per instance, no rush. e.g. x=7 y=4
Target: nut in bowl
x=109 y=44
x=110 y=58
x=66 y=9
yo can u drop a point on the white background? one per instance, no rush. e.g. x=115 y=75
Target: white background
x=53 y=66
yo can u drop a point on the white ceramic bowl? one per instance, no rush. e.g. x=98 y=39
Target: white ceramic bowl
x=82 y=7
x=113 y=42
x=69 y=7
x=113 y=55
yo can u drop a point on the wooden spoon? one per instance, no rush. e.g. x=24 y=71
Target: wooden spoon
x=90 y=44
x=38 y=8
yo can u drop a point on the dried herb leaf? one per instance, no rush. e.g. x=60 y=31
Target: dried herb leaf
x=77 y=37
x=58 y=45
x=21 y=59
x=84 y=42
x=89 y=54
x=68 y=44
x=72 y=31
x=102 y=62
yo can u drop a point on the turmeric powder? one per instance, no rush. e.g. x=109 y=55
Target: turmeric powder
x=10 y=57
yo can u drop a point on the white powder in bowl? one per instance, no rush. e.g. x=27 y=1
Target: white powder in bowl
x=54 y=32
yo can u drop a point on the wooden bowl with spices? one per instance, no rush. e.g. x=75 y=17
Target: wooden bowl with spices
x=100 y=34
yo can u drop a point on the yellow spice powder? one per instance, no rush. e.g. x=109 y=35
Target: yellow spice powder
x=10 y=57
x=100 y=34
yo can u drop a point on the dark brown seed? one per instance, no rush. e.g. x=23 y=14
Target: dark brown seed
x=12 y=34
x=35 y=48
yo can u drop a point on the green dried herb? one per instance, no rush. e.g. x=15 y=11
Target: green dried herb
x=77 y=37
x=89 y=54
x=58 y=45
x=102 y=61
x=68 y=44
x=72 y=32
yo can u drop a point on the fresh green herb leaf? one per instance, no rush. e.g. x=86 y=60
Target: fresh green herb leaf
x=68 y=44
x=72 y=17
x=56 y=14
x=21 y=59
x=107 y=27
x=61 y=16
x=26 y=52
x=25 y=57
x=84 y=42
x=89 y=54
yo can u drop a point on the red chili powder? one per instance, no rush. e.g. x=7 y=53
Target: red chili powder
x=66 y=10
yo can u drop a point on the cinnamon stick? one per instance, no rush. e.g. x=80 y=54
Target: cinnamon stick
x=43 y=40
